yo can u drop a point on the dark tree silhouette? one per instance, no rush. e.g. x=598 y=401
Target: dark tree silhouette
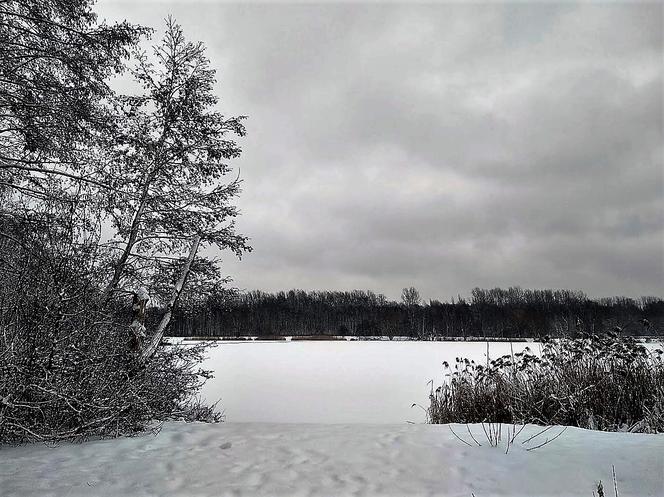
x=496 y=313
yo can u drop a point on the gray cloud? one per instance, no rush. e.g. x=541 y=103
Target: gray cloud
x=444 y=146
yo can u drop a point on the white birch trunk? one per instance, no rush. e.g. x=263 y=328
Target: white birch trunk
x=151 y=348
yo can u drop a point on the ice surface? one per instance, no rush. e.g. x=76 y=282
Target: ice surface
x=335 y=381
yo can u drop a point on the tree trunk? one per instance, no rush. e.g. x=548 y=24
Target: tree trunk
x=120 y=264
x=137 y=326
x=133 y=232
x=149 y=351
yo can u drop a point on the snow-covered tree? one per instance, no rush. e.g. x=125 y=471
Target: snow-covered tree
x=170 y=158
x=74 y=156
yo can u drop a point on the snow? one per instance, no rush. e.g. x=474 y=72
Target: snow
x=328 y=419
x=334 y=381
x=263 y=459
x=142 y=293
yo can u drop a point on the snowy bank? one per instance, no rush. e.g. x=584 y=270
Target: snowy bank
x=247 y=459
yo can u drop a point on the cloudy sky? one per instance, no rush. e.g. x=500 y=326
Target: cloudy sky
x=444 y=146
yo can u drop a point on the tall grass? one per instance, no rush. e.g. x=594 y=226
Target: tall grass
x=609 y=383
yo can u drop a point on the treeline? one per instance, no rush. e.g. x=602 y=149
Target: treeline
x=494 y=313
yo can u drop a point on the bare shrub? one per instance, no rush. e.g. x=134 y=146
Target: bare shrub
x=67 y=370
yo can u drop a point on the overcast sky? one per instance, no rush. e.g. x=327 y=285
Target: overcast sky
x=443 y=146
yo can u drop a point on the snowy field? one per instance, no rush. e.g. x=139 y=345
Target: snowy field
x=334 y=460
x=334 y=381
x=329 y=419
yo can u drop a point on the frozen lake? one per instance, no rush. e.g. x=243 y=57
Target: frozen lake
x=335 y=381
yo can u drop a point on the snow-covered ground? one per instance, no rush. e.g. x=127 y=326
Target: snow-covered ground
x=277 y=395
x=263 y=459
x=335 y=381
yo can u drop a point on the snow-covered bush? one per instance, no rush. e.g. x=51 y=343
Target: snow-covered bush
x=609 y=383
x=66 y=367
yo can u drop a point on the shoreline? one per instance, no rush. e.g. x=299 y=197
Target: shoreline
x=340 y=338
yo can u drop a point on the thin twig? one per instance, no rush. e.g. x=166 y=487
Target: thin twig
x=458 y=437
x=471 y=435
x=537 y=434
x=518 y=433
x=547 y=440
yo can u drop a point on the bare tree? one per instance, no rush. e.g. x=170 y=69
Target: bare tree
x=410 y=297
x=54 y=60
x=173 y=146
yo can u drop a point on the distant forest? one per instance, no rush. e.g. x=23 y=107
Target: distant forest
x=496 y=313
